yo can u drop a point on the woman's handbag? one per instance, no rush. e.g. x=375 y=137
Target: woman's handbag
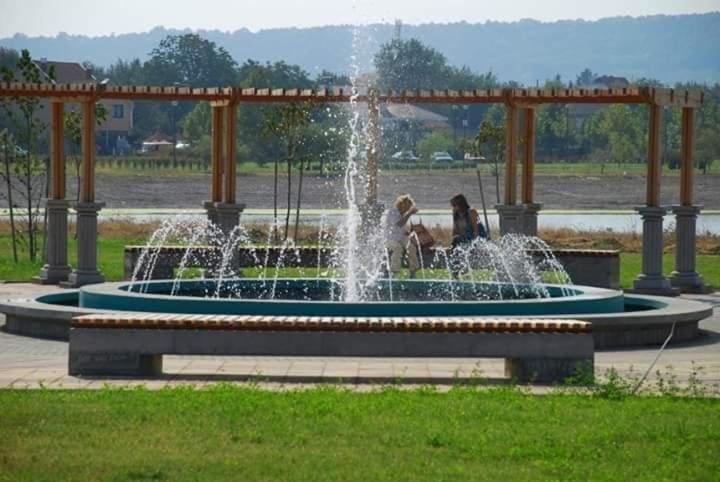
x=420 y=236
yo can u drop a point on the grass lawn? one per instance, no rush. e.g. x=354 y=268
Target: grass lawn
x=229 y=433
x=111 y=263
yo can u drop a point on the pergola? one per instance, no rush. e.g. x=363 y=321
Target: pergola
x=516 y=215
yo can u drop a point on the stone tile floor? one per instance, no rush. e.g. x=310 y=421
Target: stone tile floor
x=34 y=363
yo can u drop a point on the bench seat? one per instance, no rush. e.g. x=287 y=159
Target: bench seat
x=132 y=344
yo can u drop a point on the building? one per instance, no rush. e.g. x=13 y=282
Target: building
x=119 y=113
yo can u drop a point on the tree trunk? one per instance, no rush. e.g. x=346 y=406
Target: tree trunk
x=299 y=197
x=11 y=207
x=28 y=191
x=275 y=202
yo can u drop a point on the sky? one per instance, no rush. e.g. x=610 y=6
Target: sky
x=105 y=17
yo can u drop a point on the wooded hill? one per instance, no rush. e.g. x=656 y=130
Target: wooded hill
x=669 y=48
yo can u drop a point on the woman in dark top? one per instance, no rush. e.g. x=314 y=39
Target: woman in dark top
x=466 y=221
x=466 y=228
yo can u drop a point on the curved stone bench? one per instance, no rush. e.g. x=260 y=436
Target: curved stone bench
x=132 y=344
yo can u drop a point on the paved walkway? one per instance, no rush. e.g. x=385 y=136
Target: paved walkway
x=32 y=363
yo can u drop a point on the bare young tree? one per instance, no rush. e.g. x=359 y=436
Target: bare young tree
x=29 y=171
x=9 y=149
x=287 y=123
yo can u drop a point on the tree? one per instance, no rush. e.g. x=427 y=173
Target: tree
x=73 y=134
x=30 y=172
x=286 y=123
x=252 y=117
x=408 y=64
x=490 y=141
x=586 y=78
x=8 y=150
x=437 y=141
x=192 y=60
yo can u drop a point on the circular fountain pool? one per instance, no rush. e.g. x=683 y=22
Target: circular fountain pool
x=319 y=297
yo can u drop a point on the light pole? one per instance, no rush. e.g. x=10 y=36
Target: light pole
x=173 y=115
x=174 y=128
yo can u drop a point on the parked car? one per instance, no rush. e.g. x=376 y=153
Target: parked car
x=442 y=156
x=19 y=151
x=404 y=156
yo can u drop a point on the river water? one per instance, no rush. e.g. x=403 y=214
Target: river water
x=627 y=221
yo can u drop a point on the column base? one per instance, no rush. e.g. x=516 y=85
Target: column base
x=653 y=285
x=52 y=275
x=81 y=278
x=688 y=282
x=512 y=218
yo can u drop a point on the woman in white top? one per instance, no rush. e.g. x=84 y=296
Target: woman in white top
x=397 y=240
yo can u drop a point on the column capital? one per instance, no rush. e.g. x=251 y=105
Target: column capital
x=652 y=211
x=510 y=208
x=84 y=206
x=681 y=210
x=228 y=206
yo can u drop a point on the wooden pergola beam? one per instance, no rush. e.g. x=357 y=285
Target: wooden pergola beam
x=230 y=152
x=57 y=148
x=528 y=172
x=687 y=151
x=644 y=95
x=653 y=163
x=87 y=192
x=218 y=114
x=511 y=128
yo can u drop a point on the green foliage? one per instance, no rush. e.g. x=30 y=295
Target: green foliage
x=437 y=141
x=408 y=64
x=192 y=60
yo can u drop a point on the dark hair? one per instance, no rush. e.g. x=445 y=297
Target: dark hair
x=460 y=201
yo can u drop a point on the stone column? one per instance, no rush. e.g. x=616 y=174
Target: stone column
x=511 y=218
x=57 y=268
x=87 y=209
x=651 y=279
x=86 y=271
x=685 y=277
x=530 y=218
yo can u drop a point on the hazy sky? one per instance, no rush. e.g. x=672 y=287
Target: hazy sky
x=104 y=17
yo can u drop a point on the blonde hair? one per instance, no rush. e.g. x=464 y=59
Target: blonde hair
x=404 y=200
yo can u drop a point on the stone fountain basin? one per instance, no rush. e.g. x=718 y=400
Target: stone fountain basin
x=311 y=297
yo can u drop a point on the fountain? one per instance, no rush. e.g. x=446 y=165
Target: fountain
x=513 y=276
